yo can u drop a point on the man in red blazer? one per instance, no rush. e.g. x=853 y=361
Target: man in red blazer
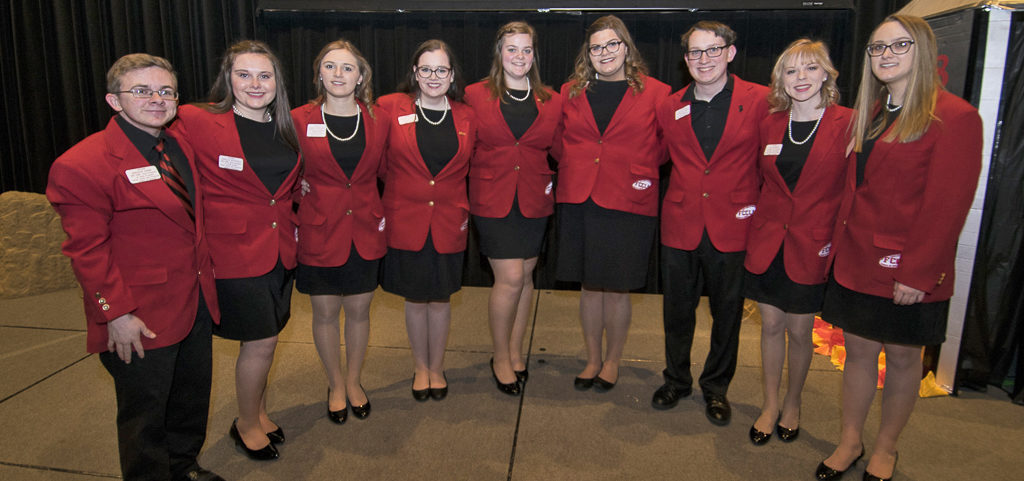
x=130 y=205
x=711 y=131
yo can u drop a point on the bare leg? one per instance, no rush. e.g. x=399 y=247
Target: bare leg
x=592 y=320
x=417 y=327
x=515 y=345
x=902 y=383
x=773 y=351
x=801 y=350
x=327 y=338
x=357 y=336
x=860 y=381
x=251 y=370
x=503 y=313
x=618 y=310
x=439 y=320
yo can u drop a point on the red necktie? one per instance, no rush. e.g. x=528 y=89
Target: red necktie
x=173 y=179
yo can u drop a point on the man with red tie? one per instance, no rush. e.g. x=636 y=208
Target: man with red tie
x=711 y=131
x=130 y=205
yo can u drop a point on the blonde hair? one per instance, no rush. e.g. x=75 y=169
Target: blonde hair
x=809 y=51
x=496 y=78
x=364 y=91
x=923 y=88
x=634 y=66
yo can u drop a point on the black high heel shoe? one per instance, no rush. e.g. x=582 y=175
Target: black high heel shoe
x=512 y=388
x=339 y=416
x=522 y=376
x=266 y=453
x=362 y=412
x=419 y=394
x=276 y=436
x=826 y=473
x=871 y=477
x=441 y=392
x=757 y=437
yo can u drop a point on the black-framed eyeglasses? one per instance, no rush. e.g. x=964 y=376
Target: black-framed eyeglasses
x=612 y=46
x=441 y=72
x=144 y=93
x=711 y=52
x=899 y=47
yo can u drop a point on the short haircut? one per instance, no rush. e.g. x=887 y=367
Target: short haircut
x=718 y=28
x=135 y=61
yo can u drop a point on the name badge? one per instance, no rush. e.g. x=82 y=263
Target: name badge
x=406 y=119
x=773 y=149
x=316 y=130
x=142 y=174
x=683 y=112
x=230 y=163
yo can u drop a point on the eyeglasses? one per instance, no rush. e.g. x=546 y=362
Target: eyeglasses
x=144 y=93
x=711 y=52
x=611 y=47
x=441 y=72
x=897 y=48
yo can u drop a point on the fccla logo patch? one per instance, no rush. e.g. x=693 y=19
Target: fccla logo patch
x=547 y=190
x=890 y=262
x=746 y=212
x=380 y=226
x=825 y=250
x=642 y=184
x=465 y=225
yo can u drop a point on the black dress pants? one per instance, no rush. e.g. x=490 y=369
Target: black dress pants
x=163 y=402
x=685 y=275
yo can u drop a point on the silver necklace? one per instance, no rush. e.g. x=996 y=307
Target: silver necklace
x=888 y=102
x=815 y=129
x=323 y=116
x=431 y=122
x=517 y=99
x=266 y=114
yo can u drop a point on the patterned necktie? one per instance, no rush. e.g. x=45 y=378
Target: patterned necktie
x=173 y=179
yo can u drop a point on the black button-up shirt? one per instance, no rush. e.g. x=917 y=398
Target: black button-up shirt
x=708 y=117
x=146 y=144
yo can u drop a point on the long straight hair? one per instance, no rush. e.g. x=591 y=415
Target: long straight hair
x=923 y=89
x=496 y=78
x=364 y=91
x=634 y=66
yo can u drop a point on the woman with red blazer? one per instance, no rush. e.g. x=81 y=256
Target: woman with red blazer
x=341 y=219
x=510 y=188
x=247 y=155
x=430 y=139
x=803 y=161
x=918 y=157
x=608 y=157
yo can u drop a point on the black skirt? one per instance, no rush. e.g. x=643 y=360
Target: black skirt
x=253 y=308
x=603 y=248
x=514 y=236
x=423 y=275
x=878 y=319
x=775 y=288
x=355 y=276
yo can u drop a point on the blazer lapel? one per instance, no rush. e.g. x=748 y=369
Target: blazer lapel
x=629 y=100
x=777 y=135
x=128 y=158
x=461 y=121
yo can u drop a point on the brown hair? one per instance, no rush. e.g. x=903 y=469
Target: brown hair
x=135 y=61
x=923 y=89
x=811 y=52
x=412 y=87
x=364 y=90
x=634 y=66
x=496 y=78
x=718 y=28
x=222 y=98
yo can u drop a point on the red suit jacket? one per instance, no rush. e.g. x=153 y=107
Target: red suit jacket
x=249 y=227
x=502 y=166
x=339 y=211
x=622 y=173
x=903 y=222
x=132 y=245
x=718 y=194
x=416 y=202
x=800 y=221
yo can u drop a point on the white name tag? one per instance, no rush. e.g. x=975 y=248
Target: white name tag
x=230 y=163
x=773 y=149
x=142 y=174
x=316 y=130
x=406 y=119
x=683 y=112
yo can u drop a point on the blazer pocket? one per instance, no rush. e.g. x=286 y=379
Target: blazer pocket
x=480 y=173
x=644 y=182
x=889 y=242
x=147 y=276
x=225 y=226
x=674 y=196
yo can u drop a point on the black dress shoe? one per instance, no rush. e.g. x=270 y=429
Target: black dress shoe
x=512 y=388
x=276 y=436
x=787 y=434
x=666 y=397
x=339 y=416
x=717 y=409
x=522 y=376
x=583 y=383
x=200 y=474
x=600 y=385
x=266 y=453
x=441 y=392
x=826 y=473
x=871 y=477
x=757 y=437
x=361 y=412
x=419 y=394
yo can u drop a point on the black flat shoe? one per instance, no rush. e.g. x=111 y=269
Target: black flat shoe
x=441 y=392
x=583 y=383
x=717 y=409
x=419 y=394
x=600 y=385
x=757 y=437
x=786 y=434
x=276 y=436
x=871 y=477
x=666 y=397
x=361 y=412
x=266 y=453
x=339 y=416
x=522 y=376
x=826 y=473
x=512 y=388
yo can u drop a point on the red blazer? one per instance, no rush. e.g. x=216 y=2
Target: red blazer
x=415 y=202
x=132 y=245
x=718 y=194
x=502 y=166
x=622 y=173
x=903 y=222
x=339 y=211
x=249 y=227
x=801 y=221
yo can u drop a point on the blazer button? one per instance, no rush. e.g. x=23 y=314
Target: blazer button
x=517 y=144
x=431 y=182
x=516 y=168
x=98 y=295
x=273 y=225
x=844 y=222
x=272 y=201
x=600 y=141
x=106 y=307
x=102 y=300
x=707 y=171
x=348 y=186
x=348 y=212
x=597 y=160
x=431 y=203
x=785 y=226
x=705 y=195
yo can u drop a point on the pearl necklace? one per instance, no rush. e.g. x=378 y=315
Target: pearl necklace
x=888 y=102
x=266 y=114
x=431 y=122
x=517 y=99
x=815 y=129
x=323 y=116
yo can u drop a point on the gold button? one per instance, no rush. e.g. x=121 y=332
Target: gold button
x=102 y=300
x=431 y=182
x=272 y=201
x=431 y=203
x=273 y=225
x=785 y=226
x=348 y=212
x=98 y=295
x=600 y=141
x=106 y=307
x=516 y=167
x=705 y=195
x=517 y=144
x=349 y=185
x=707 y=171
x=844 y=222
x=597 y=160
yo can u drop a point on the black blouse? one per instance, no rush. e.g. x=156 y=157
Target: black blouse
x=791 y=160
x=519 y=115
x=438 y=144
x=346 y=153
x=604 y=98
x=270 y=158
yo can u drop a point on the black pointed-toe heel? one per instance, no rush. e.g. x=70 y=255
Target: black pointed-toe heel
x=362 y=412
x=441 y=392
x=871 y=477
x=826 y=473
x=757 y=437
x=339 y=416
x=276 y=436
x=266 y=453
x=419 y=394
x=512 y=388
x=522 y=376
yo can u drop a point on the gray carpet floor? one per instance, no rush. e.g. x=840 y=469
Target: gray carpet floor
x=57 y=409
